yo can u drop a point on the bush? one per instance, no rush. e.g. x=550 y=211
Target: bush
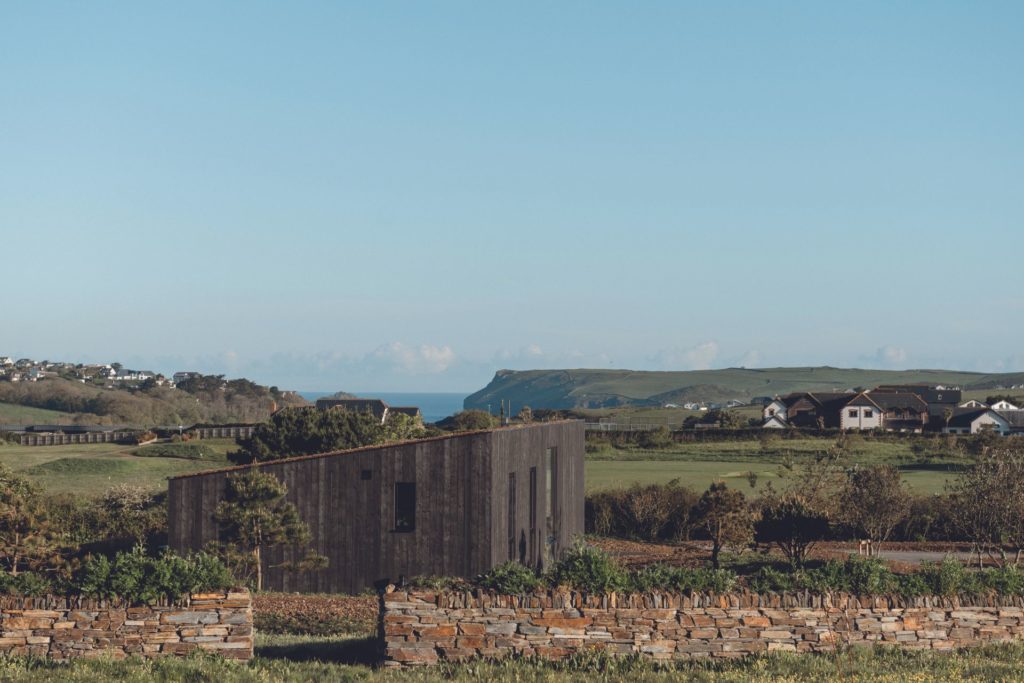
x=511 y=578
x=140 y=578
x=656 y=438
x=660 y=577
x=653 y=512
x=586 y=568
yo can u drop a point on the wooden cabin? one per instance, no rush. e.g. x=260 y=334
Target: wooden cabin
x=453 y=505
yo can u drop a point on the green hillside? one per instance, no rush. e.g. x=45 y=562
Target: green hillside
x=607 y=388
x=12 y=413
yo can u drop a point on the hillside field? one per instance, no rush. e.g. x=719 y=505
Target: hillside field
x=12 y=413
x=90 y=469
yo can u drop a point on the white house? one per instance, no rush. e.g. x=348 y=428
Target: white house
x=973 y=421
x=861 y=413
x=1003 y=405
x=973 y=404
x=775 y=422
x=776 y=407
x=6 y=361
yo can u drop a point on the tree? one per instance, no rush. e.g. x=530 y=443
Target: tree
x=305 y=431
x=255 y=515
x=469 y=421
x=525 y=414
x=25 y=538
x=792 y=525
x=873 y=501
x=987 y=504
x=724 y=514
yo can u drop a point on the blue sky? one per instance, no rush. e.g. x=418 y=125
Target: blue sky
x=409 y=196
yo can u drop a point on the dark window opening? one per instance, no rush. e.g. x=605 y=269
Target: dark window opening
x=405 y=506
x=366 y=474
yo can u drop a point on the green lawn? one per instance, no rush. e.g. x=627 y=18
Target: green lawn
x=11 y=413
x=699 y=464
x=90 y=469
x=291 y=659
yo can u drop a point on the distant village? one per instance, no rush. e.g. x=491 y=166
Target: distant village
x=107 y=374
x=911 y=408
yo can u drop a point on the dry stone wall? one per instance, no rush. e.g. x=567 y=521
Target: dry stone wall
x=421 y=627
x=64 y=628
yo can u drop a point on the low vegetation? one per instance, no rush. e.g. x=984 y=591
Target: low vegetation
x=184 y=450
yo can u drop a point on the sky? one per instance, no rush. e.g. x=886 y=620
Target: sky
x=410 y=196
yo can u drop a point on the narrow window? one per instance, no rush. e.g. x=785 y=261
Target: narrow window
x=511 y=515
x=405 y=506
x=551 y=501
x=868 y=413
x=533 y=514
x=853 y=413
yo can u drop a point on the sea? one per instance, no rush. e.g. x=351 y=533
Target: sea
x=434 y=406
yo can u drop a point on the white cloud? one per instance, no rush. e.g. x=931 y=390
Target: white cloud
x=699 y=357
x=414 y=360
x=891 y=356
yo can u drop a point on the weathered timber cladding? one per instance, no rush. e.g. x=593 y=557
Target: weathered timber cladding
x=461 y=526
x=424 y=627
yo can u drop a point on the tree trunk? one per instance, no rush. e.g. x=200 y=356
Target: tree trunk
x=259 y=568
x=716 y=547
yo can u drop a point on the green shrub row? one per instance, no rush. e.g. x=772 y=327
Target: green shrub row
x=590 y=569
x=872 y=577
x=133 y=576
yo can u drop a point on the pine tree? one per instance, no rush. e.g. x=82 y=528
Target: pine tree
x=255 y=515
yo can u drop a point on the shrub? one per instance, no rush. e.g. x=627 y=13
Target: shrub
x=652 y=512
x=660 y=577
x=511 y=578
x=586 y=568
x=656 y=438
x=140 y=578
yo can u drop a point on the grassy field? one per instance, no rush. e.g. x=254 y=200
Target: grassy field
x=90 y=469
x=290 y=659
x=11 y=413
x=699 y=464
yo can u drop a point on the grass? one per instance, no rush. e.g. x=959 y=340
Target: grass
x=12 y=413
x=698 y=464
x=291 y=659
x=90 y=469
x=194 y=450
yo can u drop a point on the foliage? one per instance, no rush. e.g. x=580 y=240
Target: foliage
x=655 y=512
x=587 y=568
x=25 y=537
x=235 y=401
x=792 y=525
x=724 y=514
x=141 y=578
x=656 y=438
x=660 y=577
x=255 y=515
x=987 y=503
x=873 y=501
x=511 y=578
x=469 y=421
x=305 y=431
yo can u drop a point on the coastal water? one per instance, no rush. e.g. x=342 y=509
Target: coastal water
x=434 y=406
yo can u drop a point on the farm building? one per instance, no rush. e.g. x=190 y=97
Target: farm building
x=453 y=505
